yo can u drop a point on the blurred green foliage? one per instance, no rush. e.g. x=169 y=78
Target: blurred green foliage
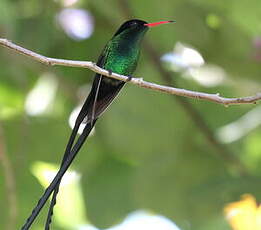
x=146 y=152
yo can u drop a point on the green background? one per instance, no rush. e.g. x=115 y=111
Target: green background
x=148 y=152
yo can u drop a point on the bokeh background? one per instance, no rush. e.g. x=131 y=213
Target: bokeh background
x=155 y=161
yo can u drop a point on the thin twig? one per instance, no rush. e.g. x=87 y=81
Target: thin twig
x=10 y=186
x=136 y=81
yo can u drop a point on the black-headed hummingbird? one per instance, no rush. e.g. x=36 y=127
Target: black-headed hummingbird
x=120 y=55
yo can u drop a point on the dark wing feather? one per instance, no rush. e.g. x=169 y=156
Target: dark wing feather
x=104 y=90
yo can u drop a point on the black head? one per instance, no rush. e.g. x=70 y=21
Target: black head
x=133 y=25
x=136 y=25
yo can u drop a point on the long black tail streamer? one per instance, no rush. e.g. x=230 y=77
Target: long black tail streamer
x=70 y=157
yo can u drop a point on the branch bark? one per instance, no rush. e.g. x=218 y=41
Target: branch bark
x=136 y=81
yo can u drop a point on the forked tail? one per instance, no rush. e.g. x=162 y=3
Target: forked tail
x=59 y=175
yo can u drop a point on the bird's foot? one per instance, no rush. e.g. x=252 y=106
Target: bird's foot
x=129 y=78
x=110 y=72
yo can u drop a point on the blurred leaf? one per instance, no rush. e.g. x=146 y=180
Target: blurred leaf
x=11 y=102
x=244 y=214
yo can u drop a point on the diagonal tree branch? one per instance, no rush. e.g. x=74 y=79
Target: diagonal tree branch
x=136 y=81
x=222 y=150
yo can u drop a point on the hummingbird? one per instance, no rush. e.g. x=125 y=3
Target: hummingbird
x=120 y=55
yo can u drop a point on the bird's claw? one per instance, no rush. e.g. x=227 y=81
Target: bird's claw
x=129 y=78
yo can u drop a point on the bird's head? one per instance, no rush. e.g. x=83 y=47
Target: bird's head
x=136 y=26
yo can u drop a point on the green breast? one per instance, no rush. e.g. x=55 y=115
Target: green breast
x=122 y=57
